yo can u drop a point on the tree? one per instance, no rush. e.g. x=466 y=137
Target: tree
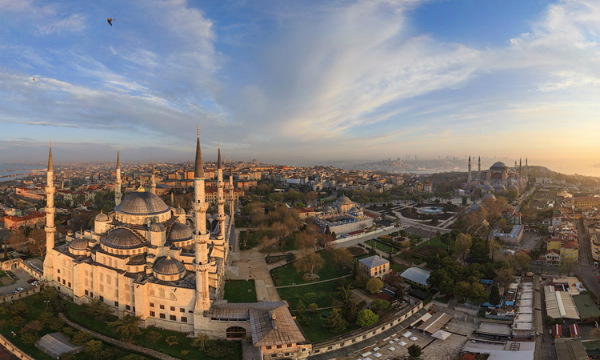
x=462 y=290
x=380 y=305
x=305 y=241
x=37 y=242
x=414 y=351
x=310 y=263
x=495 y=298
x=477 y=292
x=374 y=285
x=335 y=321
x=98 y=309
x=523 y=261
x=504 y=276
x=81 y=337
x=493 y=245
x=462 y=244
x=128 y=326
x=366 y=318
x=313 y=307
x=341 y=257
x=300 y=306
x=92 y=348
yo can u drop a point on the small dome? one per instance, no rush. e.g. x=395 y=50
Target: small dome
x=78 y=244
x=142 y=203
x=499 y=166
x=102 y=217
x=344 y=200
x=179 y=211
x=489 y=196
x=180 y=232
x=475 y=208
x=137 y=260
x=121 y=238
x=166 y=265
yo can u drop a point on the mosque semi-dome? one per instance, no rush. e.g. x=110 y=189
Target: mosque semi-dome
x=121 y=238
x=180 y=232
x=142 y=203
x=166 y=265
x=78 y=244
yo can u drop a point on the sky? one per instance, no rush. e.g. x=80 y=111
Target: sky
x=301 y=81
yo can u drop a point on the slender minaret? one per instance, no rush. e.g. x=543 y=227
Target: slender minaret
x=479 y=168
x=201 y=236
x=118 y=194
x=220 y=197
x=152 y=182
x=520 y=170
x=50 y=228
x=469 y=175
x=526 y=167
x=172 y=200
x=231 y=193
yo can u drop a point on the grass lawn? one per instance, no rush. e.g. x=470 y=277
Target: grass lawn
x=251 y=238
x=320 y=293
x=240 y=291
x=288 y=275
x=183 y=349
x=586 y=306
x=383 y=247
x=434 y=241
x=317 y=329
x=399 y=268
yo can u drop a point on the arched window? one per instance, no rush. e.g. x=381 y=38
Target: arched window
x=236 y=332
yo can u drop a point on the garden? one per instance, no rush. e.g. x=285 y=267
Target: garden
x=240 y=291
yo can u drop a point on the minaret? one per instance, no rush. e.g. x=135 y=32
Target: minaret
x=520 y=170
x=479 y=168
x=526 y=167
x=152 y=182
x=201 y=236
x=469 y=175
x=50 y=228
x=118 y=194
x=231 y=194
x=220 y=197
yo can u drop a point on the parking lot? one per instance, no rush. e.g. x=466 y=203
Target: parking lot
x=21 y=282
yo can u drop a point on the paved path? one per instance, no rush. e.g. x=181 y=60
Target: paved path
x=312 y=282
x=122 y=344
x=251 y=264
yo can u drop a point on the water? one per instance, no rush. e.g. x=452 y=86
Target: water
x=16 y=171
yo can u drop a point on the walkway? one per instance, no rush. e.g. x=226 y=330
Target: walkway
x=122 y=344
x=252 y=265
x=312 y=282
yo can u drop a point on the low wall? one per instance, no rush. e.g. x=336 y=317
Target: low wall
x=358 y=236
x=13 y=349
x=19 y=295
x=363 y=334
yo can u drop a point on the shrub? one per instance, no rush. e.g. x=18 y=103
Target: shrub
x=366 y=318
x=374 y=285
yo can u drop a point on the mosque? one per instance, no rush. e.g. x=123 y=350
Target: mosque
x=142 y=259
x=499 y=179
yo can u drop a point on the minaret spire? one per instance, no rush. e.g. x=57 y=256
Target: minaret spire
x=231 y=193
x=118 y=194
x=220 y=198
x=153 y=181
x=479 y=168
x=50 y=228
x=469 y=174
x=201 y=235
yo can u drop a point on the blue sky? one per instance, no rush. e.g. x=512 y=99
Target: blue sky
x=300 y=81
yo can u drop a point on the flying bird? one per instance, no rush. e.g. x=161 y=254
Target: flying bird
x=110 y=21
x=33 y=78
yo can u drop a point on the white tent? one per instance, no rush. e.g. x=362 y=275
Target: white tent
x=441 y=334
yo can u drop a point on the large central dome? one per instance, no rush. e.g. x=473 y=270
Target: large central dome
x=142 y=203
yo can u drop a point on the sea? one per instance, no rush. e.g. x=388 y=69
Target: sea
x=17 y=171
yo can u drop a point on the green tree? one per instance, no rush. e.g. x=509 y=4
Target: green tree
x=300 y=306
x=462 y=245
x=310 y=263
x=128 y=326
x=462 y=290
x=342 y=258
x=335 y=321
x=495 y=298
x=415 y=351
x=366 y=318
x=313 y=307
x=92 y=348
x=374 y=285
x=81 y=337
x=477 y=292
x=29 y=338
x=522 y=261
x=380 y=305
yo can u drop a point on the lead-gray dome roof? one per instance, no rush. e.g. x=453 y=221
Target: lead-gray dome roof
x=166 y=265
x=344 y=200
x=180 y=232
x=121 y=238
x=78 y=244
x=101 y=217
x=142 y=203
x=498 y=166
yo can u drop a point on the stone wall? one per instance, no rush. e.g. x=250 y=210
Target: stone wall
x=19 y=295
x=13 y=349
x=10 y=265
x=363 y=334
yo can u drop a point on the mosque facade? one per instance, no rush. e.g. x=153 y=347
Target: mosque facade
x=142 y=259
x=498 y=179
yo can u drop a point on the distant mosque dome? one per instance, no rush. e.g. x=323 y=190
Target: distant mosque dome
x=474 y=208
x=168 y=269
x=344 y=200
x=488 y=188
x=499 y=166
x=78 y=244
x=489 y=196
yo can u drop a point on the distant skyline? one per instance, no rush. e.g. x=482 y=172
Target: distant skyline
x=302 y=81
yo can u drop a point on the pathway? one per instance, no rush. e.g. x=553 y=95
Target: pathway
x=122 y=344
x=252 y=265
x=311 y=283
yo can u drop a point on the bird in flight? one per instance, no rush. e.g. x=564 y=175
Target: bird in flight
x=110 y=21
x=33 y=78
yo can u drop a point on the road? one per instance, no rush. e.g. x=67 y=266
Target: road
x=585 y=269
